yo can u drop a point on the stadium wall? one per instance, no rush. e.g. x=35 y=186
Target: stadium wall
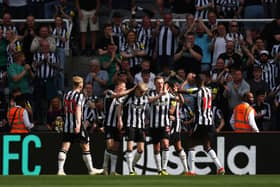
x=241 y=154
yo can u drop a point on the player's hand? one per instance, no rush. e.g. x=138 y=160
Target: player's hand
x=77 y=130
x=120 y=124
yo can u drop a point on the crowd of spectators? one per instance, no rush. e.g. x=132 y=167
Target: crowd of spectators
x=239 y=56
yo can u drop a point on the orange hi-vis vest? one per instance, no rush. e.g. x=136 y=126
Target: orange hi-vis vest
x=241 y=115
x=18 y=124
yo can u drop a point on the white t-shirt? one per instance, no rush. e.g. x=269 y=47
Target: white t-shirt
x=219 y=48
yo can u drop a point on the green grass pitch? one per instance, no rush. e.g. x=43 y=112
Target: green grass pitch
x=140 y=181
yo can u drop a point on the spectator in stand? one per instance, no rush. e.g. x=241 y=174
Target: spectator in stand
x=180 y=8
x=189 y=83
x=203 y=38
x=134 y=51
x=145 y=66
x=20 y=74
x=110 y=61
x=270 y=67
x=188 y=27
x=230 y=56
x=218 y=45
x=7 y=24
x=253 y=9
x=160 y=9
x=271 y=31
x=256 y=83
x=65 y=9
x=17 y=8
x=270 y=8
x=263 y=112
x=202 y=7
x=97 y=77
x=61 y=36
x=3 y=53
x=166 y=42
x=55 y=115
x=212 y=23
x=123 y=73
x=235 y=90
x=258 y=47
x=228 y=8
x=218 y=116
x=44 y=34
x=146 y=35
x=29 y=33
x=36 y=8
x=88 y=13
x=14 y=46
x=220 y=73
x=107 y=38
x=235 y=36
x=189 y=55
x=46 y=67
x=118 y=29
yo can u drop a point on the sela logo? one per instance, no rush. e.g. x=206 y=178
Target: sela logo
x=147 y=166
x=25 y=142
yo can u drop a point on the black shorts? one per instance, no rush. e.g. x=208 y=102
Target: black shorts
x=81 y=138
x=135 y=134
x=158 y=134
x=113 y=133
x=203 y=133
x=175 y=137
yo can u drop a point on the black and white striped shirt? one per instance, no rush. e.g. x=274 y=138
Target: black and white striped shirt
x=135 y=111
x=176 y=125
x=201 y=13
x=145 y=36
x=134 y=61
x=204 y=107
x=44 y=70
x=228 y=7
x=159 y=117
x=217 y=115
x=186 y=114
x=71 y=100
x=5 y=28
x=88 y=112
x=270 y=72
x=167 y=42
x=118 y=31
x=275 y=50
x=59 y=33
x=110 y=110
x=17 y=47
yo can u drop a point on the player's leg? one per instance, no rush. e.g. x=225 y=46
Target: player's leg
x=62 y=155
x=180 y=151
x=88 y=159
x=213 y=155
x=140 y=139
x=191 y=153
x=114 y=156
x=156 y=145
x=165 y=154
x=129 y=150
x=107 y=155
x=115 y=150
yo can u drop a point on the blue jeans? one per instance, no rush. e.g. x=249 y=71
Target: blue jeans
x=254 y=12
